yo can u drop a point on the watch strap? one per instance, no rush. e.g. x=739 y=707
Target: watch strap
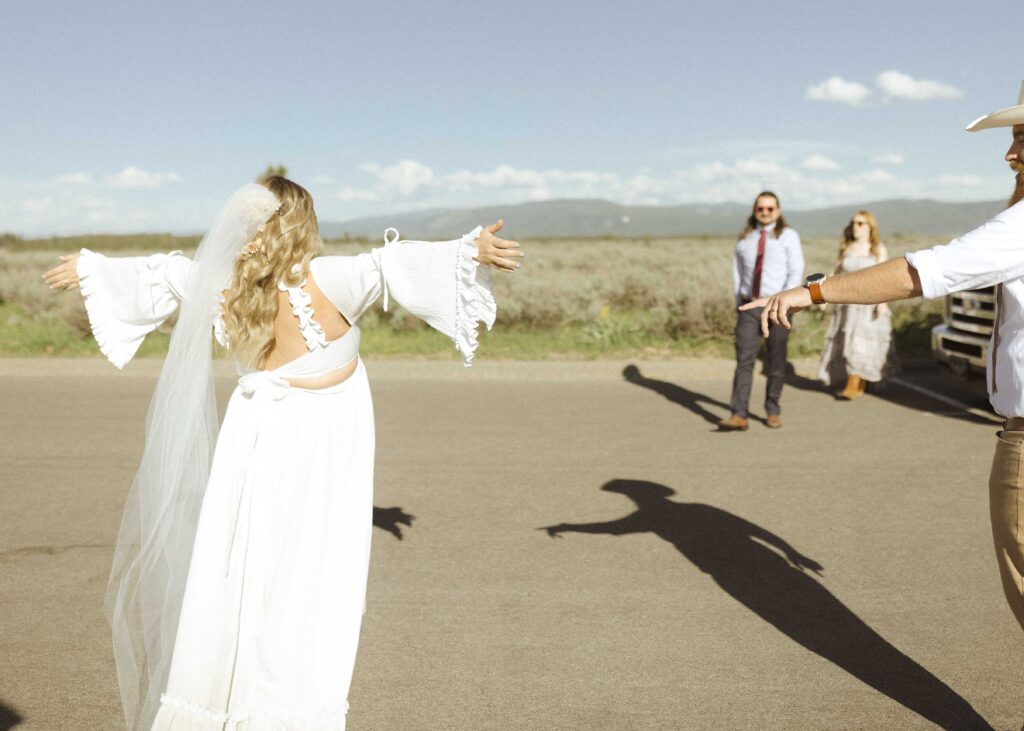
x=815 y=290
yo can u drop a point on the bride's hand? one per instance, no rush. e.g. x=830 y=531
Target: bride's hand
x=497 y=253
x=65 y=275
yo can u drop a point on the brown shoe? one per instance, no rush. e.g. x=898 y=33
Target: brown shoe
x=855 y=386
x=774 y=421
x=733 y=423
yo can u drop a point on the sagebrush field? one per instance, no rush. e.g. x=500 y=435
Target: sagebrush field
x=574 y=298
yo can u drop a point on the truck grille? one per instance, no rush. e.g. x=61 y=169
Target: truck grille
x=955 y=346
x=973 y=311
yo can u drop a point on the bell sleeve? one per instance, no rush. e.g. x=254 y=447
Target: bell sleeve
x=438 y=282
x=126 y=298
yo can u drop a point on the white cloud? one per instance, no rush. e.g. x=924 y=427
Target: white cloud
x=819 y=163
x=837 y=89
x=48 y=207
x=892 y=158
x=897 y=85
x=75 y=179
x=404 y=177
x=892 y=86
x=133 y=177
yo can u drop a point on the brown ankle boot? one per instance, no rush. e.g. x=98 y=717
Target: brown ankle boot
x=855 y=386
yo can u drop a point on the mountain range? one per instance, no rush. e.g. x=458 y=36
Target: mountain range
x=594 y=217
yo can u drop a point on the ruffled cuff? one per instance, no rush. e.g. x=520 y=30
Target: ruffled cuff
x=474 y=301
x=118 y=340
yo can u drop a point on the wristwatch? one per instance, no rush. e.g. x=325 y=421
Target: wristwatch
x=813 y=284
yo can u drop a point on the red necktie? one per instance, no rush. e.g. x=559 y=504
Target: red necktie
x=755 y=291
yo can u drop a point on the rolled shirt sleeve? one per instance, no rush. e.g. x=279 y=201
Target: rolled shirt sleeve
x=988 y=255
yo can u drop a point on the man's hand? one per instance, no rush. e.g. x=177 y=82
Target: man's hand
x=497 y=253
x=778 y=306
x=64 y=276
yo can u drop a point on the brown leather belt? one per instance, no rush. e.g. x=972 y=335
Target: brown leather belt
x=1014 y=423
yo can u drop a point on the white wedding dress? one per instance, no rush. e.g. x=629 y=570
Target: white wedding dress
x=275 y=593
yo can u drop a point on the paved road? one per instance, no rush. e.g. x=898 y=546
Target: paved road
x=664 y=602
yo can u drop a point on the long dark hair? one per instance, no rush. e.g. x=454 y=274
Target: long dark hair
x=752 y=221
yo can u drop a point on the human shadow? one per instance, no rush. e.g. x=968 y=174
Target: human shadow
x=9 y=718
x=690 y=400
x=770 y=577
x=894 y=390
x=392 y=520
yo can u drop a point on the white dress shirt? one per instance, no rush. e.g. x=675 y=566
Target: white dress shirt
x=990 y=254
x=782 y=268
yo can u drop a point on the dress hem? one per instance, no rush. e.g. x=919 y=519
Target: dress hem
x=181 y=714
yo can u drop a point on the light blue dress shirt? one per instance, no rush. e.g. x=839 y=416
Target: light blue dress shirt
x=783 y=266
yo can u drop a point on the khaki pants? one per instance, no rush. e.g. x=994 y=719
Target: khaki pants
x=1006 y=504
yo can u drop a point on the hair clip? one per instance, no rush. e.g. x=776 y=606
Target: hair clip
x=251 y=248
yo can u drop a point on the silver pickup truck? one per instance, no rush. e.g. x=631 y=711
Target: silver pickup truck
x=961 y=342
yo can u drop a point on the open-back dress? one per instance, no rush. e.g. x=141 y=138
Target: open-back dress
x=275 y=593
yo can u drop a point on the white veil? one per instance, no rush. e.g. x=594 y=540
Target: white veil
x=154 y=546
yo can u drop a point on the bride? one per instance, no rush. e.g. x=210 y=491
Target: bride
x=239 y=574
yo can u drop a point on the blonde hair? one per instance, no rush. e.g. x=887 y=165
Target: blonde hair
x=288 y=240
x=848 y=236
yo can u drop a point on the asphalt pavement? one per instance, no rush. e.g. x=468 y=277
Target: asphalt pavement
x=562 y=546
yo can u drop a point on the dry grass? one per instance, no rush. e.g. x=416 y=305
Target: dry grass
x=573 y=298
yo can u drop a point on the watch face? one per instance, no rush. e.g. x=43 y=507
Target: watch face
x=816 y=278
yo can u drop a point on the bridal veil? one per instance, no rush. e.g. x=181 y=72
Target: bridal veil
x=154 y=546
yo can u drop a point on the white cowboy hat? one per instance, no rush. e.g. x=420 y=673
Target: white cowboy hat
x=1003 y=118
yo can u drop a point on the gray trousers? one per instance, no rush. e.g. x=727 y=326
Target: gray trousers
x=748 y=343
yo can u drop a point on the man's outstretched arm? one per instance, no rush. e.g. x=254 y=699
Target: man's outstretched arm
x=885 y=282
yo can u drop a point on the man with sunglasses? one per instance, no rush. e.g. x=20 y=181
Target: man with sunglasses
x=992 y=254
x=768 y=259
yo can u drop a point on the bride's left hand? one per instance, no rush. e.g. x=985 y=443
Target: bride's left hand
x=64 y=275
x=495 y=252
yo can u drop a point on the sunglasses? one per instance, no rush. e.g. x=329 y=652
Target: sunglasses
x=765 y=209
x=858 y=223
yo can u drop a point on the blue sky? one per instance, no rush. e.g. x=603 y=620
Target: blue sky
x=140 y=116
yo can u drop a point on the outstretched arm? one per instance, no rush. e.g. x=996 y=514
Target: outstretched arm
x=891 y=280
x=796 y=559
x=125 y=297
x=619 y=527
x=446 y=284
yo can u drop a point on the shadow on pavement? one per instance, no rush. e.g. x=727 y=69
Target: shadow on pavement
x=691 y=400
x=9 y=718
x=764 y=573
x=392 y=520
x=896 y=394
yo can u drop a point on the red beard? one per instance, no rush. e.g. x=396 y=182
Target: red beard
x=1018 y=190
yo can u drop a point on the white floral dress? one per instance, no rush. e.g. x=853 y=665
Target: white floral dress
x=858 y=341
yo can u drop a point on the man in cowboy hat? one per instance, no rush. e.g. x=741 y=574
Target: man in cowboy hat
x=992 y=254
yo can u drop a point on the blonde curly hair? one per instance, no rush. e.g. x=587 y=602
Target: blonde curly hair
x=280 y=252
